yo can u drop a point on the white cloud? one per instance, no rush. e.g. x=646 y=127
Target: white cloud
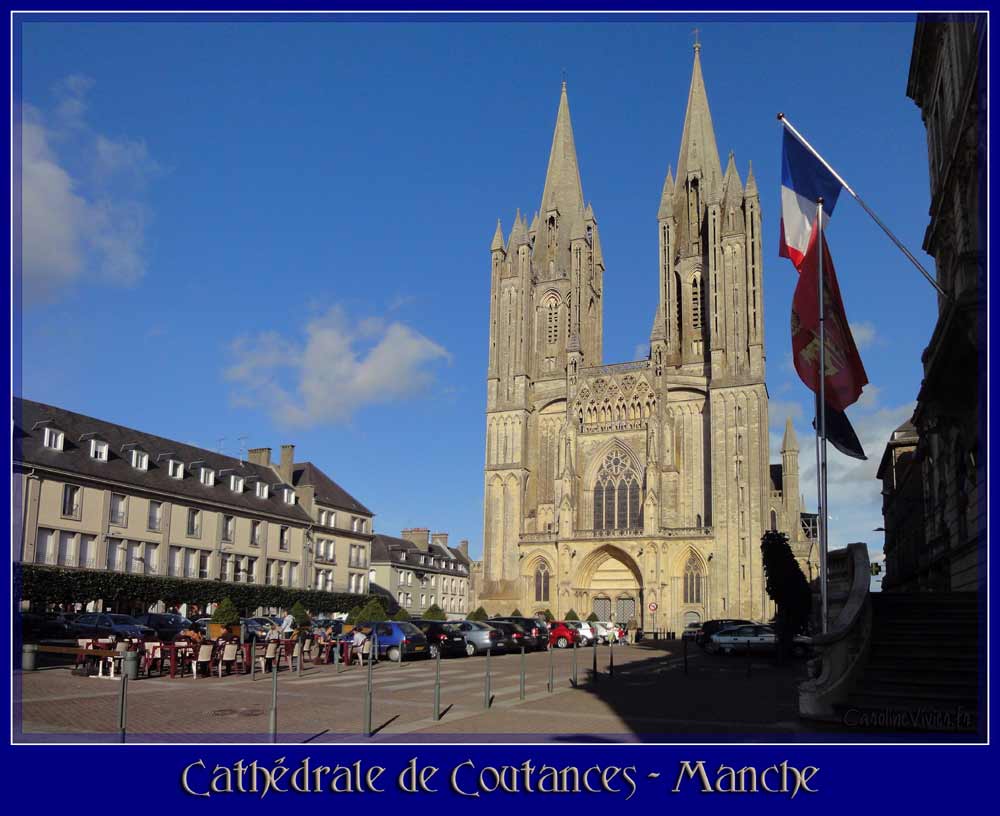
x=641 y=352
x=780 y=410
x=339 y=367
x=864 y=334
x=869 y=398
x=85 y=225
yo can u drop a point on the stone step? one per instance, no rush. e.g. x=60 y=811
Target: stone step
x=899 y=694
x=877 y=676
x=881 y=661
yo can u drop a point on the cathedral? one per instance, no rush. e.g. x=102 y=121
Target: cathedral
x=635 y=490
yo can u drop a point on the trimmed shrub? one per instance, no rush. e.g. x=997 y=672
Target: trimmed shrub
x=478 y=615
x=434 y=612
x=401 y=615
x=226 y=613
x=592 y=617
x=572 y=616
x=516 y=613
x=299 y=614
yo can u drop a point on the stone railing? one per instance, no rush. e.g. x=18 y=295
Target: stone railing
x=685 y=532
x=843 y=651
x=529 y=538
x=614 y=368
x=614 y=425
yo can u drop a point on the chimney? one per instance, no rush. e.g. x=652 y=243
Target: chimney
x=440 y=539
x=287 y=460
x=420 y=536
x=463 y=547
x=259 y=456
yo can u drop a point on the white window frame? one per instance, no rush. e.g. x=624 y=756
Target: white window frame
x=236 y=484
x=228 y=528
x=194 y=514
x=76 y=511
x=289 y=496
x=159 y=516
x=175 y=469
x=121 y=520
x=261 y=490
x=207 y=477
x=139 y=459
x=53 y=439
x=99 y=450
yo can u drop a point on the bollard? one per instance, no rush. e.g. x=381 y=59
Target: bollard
x=253 y=660
x=123 y=706
x=552 y=674
x=29 y=651
x=522 y=673
x=130 y=664
x=611 y=660
x=486 y=684
x=437 y=686
x=273 y=722
x=336 y=655
x=367 y=723
x=749 y=659
x=685 y=644
x=595 y=659
x=298 y=665
x=575 y=676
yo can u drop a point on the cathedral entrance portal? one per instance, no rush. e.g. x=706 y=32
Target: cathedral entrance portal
x=610 y=581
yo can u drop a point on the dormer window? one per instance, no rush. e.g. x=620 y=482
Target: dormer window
x=175 y=469
x=236 y=484
x=139 y=459
x=53 y=439
x=262 y=490
x=207 y=477
x=99 y=450
x=289 y=495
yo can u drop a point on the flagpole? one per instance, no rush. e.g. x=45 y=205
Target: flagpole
x=865 y=207
x=821 y=423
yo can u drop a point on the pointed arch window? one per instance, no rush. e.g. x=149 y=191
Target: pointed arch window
x=542 y=582
x=774 y=522
x=697 y=304
x=617 y=494
x=694 y=577
x=552 y=320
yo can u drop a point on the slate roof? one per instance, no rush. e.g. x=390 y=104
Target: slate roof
x=327 y=491
x=389 y=548
x=75 y=458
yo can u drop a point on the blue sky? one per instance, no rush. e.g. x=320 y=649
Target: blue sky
x=280 y=230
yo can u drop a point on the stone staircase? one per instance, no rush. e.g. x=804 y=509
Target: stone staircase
x=923 y=664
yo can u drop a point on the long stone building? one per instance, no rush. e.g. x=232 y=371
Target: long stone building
x=637 y=490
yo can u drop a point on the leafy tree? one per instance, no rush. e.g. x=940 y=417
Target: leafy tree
x=401 y=615
x=592 y=617
x=434 y=612
x=226 y=613
x=478 y=615
x=372 y=611
x=787 y=587
x=517 y=613
x=352 y=614
x=300 y=616
x=572 y=616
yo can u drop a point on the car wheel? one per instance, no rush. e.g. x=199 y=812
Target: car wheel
x=394 y=654
x=470 y=649
x=727 y=650
x=562 y=643
x=433 y=650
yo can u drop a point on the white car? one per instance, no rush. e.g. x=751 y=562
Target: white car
x=586 y=633
x=604 y=630
x=755 y=637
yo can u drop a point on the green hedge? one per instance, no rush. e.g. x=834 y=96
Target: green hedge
x=41 y=584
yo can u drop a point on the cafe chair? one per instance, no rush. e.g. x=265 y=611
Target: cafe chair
x=152 y=653
x=204 y=655
x=271 y=653
x=231 y=653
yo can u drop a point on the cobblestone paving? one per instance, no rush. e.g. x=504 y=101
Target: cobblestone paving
x=648 y=697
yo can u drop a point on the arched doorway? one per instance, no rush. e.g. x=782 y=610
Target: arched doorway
x=612 y=580
x=602 y=607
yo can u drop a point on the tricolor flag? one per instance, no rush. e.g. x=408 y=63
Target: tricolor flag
x=804 y=179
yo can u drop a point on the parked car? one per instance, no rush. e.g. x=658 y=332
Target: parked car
x=692 y=631
x=709 y=628
x=442 y=636
x=45 y=626
x=604 y=631
x=561 y=635
x=585 y=632
x=106 y=624
x=167 y=625
x=514 y=637
x=755 y=637
x=536 y=631
x=396 y=640
x=479 y=637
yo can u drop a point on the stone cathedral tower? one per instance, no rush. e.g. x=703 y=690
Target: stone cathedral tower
x=636 y=490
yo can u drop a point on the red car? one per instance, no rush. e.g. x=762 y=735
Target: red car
x=561 y=635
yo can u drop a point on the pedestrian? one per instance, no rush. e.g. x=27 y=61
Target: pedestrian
x=287 y=624
x=359 y=645
x=273 y=636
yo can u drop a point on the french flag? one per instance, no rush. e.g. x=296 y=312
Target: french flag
x=804 y=179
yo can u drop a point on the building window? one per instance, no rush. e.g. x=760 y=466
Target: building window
x=44 y=545
x=289 y=496
x=617 y=502
x=175 y=469
x=119 y=509
x=228 y=528
x=284 y=539
x=203 y=565
x=140 y=459
x=71 y=501
x=53 y=439
x=542 y=582
x=99 y=450
x=236 y=484
x=116 y=555
x=251 y=571
x=552 y=320
x=225 y=563
x=693 y=579
x=255 y=533
x=155 y=516
x=262 y=492
x=207 y=477
x=774 y=522
x=194 y=523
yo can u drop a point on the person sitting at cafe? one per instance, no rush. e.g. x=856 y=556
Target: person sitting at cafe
x=358 y=642
x=191 y=634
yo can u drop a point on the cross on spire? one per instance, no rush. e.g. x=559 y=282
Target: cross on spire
x=697 y=42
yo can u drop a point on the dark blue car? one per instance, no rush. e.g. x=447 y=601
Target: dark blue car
x=397 y=640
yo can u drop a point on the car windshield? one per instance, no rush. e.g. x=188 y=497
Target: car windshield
x=479 y=625
x=408 y=628
x=122 y=619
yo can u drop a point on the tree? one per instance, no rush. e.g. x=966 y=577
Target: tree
x=434 y=612
x=300 y=616
x=401 y=615
x=478 y=615
x=549 y=617
x=592 y=617
x=352 y=614
x=517 y=613
x=787 y=587
x=226 y=613
x=373 y=612
x=572 y=616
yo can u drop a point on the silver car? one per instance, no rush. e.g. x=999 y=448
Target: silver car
x=584 y=630
x=756 y=638
x=479 y=637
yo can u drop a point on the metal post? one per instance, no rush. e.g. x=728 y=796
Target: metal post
x=821 y=423
x=274 y=699
x=611 y=659
x=595 y=660
x=336 y=653
x=749 y=659
x=522 y=673
x=575 y=678
x=552 y=671
x=253 y=660
x=367 y=713
x=123 y=706
x=437 y=686
x=486 y=684
x=302 y=651
x=684 y=641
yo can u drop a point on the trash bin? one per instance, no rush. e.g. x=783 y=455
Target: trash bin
x=29 y=651
x=130 y=665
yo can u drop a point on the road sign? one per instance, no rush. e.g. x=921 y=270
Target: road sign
x=653 y=607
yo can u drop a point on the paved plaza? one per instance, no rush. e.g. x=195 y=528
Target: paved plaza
x=649 y=696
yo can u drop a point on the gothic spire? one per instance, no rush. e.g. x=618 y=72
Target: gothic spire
x=698 y=149
x=497 y=238
x=563 y=190
x=658 y=332
x=751 y=188
x=667 y=196
x=790 y=442
x=519 y=233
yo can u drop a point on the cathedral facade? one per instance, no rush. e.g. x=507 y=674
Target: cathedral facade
x=636 y=490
